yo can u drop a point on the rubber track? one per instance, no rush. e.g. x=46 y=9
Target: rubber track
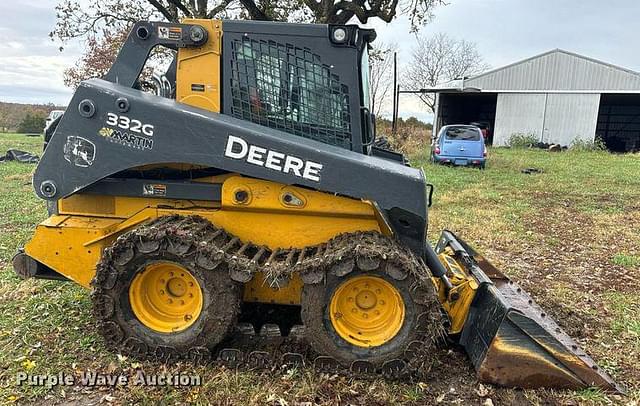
x=208 y=246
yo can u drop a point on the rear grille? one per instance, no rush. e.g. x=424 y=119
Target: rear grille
x=288 y=88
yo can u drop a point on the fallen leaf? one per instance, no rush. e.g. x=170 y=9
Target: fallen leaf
x=28 y=364
x=107 y=398
x=482 y=391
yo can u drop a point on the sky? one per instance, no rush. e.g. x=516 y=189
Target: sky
x=505 y=31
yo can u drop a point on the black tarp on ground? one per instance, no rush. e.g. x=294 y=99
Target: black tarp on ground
x=20 y=156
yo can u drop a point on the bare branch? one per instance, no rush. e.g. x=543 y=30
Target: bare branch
x=439 y=59
x=225 y=5
x=163 y=10
x=254 y=12
x=178 y=4
x=381 y=75
x=202 y=8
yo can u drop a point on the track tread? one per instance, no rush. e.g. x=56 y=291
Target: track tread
x=215 y=250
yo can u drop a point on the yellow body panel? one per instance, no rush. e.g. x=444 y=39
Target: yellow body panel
x=198 y=69
x=458 y=301
x=266 y=219
x=63 y=243
x=89 y=223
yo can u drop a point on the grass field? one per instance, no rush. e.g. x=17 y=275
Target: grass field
x=570 y=235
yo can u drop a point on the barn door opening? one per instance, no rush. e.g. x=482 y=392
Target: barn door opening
x=619 y=122
x=468 y=108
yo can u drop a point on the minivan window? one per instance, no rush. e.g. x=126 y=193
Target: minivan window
x=463 y=134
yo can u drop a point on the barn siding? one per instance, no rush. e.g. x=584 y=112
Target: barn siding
x=518 y=113
x=569 y=117
x=557 y=118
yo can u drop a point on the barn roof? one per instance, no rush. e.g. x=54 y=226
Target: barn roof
x=557 y=70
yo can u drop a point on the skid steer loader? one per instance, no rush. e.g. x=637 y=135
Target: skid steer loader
x=245 y=201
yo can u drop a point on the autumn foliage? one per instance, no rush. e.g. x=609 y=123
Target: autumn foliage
x=103 y=24
x=97 y=59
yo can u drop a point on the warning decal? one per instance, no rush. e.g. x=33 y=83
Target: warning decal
x=170 y=33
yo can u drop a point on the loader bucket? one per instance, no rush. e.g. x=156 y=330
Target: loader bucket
x=511 y=340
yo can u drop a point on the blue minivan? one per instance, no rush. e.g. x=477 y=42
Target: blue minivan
x=461 y=145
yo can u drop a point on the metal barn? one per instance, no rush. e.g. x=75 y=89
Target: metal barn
x=557 y=96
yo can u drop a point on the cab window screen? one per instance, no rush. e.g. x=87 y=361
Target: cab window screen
x=289 y=89
x=463 y=134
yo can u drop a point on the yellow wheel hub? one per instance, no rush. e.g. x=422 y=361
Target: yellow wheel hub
x=166 y=297
x=366 y=311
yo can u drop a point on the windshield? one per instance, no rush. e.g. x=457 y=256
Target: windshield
x=55 y=114
x=364 y=77
x=462 y=134
x=290 y=89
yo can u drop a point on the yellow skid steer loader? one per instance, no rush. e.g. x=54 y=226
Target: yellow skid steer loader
x=245 y=197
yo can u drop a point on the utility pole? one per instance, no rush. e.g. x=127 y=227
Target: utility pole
x=394 y=114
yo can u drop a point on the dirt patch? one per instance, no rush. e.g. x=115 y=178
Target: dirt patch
x=568 y=246
x=24 y=177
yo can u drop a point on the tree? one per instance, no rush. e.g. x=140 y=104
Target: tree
x=99 y=55
x=76 y=18
x=438 y=59
x=12 y=114
x=102 y=24
x=381 y=75
x=31 y=123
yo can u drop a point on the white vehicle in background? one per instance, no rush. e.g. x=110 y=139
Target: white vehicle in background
x=54 y=114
